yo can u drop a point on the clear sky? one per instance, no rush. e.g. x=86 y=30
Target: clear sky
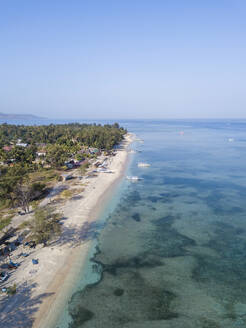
x=123 y=58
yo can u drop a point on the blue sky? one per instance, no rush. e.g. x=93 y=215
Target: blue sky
x=123 y=59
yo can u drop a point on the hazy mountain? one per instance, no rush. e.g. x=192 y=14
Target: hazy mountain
x=19 y=116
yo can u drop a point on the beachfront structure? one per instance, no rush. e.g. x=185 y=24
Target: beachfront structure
x=41 y=153
x=7 y=148
x=66 y=177
x=21 y=144
x=94 y=151
x=73 y=163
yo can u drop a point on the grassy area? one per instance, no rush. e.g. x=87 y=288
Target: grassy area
x=35 y=203
x=66 y=194
x=45 y=176
x=78 y=190
x=24 y=225
x=5 y=221
x=4 y=204
x=11 y=290
x=83 y=168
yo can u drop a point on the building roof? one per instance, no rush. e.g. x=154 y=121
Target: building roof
x=7 y=148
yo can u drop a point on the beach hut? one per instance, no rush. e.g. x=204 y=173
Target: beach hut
x=66 y=177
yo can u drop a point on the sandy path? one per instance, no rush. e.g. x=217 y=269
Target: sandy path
x=40 y=286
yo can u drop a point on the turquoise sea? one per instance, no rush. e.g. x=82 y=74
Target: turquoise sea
x=171 y=252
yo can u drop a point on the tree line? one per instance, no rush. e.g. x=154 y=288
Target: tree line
x=61 y=142
x=92 y=135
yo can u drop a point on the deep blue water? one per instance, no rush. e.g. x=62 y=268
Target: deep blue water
x=173 y=250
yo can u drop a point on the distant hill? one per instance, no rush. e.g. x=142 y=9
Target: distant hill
x=4 y=116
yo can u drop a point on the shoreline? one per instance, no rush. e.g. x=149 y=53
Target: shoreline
x=61 y=263
x=81 y=254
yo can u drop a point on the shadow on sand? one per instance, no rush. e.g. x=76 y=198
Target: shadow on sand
x=76 y=236
x=18 y=310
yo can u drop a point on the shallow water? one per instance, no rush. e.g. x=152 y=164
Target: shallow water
x=173 y=251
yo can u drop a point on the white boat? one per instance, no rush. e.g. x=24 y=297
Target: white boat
x=133 y=178
x=142 y=164
x=103 y=170
x=139 y=140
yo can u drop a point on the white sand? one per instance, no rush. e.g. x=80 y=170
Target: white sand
x=40 y=287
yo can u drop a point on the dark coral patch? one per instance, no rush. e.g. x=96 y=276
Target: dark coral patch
x=118 y=292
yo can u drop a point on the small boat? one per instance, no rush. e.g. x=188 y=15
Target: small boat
x=12 y=265
x=142 y=164
x=25 y=254
x=34 y=261
x=103 y=170
x=139 y=140
x=4 y=276
x=133 y=178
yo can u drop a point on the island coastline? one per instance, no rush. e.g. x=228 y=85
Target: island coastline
x=40 y=293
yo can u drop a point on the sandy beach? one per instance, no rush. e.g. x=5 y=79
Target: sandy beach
x=40 y=288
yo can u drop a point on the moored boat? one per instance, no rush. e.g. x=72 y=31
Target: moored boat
x=142 y=164
x=133 y=178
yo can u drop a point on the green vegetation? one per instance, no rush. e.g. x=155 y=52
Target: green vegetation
x=26 y=192
x=11 y=290
x=57 y=155
x=23 y=225
x=66 y=194
x=84 y=167
x=31 y=156
x=5 y=221
x=45 y=225
x=19 y=191
x=44 y=176
x=70 y=135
